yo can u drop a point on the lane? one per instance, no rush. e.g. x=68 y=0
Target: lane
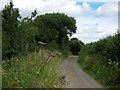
x=75 y=77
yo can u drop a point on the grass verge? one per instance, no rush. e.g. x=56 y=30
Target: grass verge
x=36 y=70
x=104 y=71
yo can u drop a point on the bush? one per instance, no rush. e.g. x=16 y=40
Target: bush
x=101 y=60
x=75 y=46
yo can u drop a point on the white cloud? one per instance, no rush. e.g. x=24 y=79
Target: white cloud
x=108 y=9
x=86 y=7
x=3 y=3
x=94 y=28
x=97 y=0
x=100 y=29
x=48 y=6
x=90 y=28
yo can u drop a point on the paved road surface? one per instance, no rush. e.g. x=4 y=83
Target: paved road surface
x=74 y=76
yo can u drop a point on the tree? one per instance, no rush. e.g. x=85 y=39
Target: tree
x=10 y=25
x=75 y=46
x=62 y=24
x=28 y=42
x=34 y=13
x=47 y=35
x=5 y=45
x=28 y=33
x=113 y=48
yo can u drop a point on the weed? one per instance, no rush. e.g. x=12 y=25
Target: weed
x=34 y=70
x=107 y=73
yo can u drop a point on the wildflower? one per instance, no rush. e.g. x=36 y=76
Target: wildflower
x=3 y=61
x=103 y=66
x=17 y=60
x=17 y=80
x=54 y=86
x=117 y=64
x=57 y=53
x=48 y=75
x=37 y=72
x=51 y=53
x=41 y=43
x=109 y=62
x=31 y=63
x=45 y=80
x=3 y=73
x=114 y=62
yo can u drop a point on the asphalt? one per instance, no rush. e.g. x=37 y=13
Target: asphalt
x=72 y=76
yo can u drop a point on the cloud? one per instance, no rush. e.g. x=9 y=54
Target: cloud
x=108 y=9
x=48 y=6
x=89 y=27
x=97 y=0
x=94 y=28
x=3 y=3
x=72 y=9
x=66 y=6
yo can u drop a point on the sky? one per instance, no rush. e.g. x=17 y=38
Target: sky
x=95 y=19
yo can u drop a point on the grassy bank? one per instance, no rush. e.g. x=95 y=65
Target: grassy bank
x=36 y=70
x=101 y=60
x=105 y=73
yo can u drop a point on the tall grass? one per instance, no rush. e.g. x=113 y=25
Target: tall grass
x=102 y=60
x=36 y=70
x=107 y=73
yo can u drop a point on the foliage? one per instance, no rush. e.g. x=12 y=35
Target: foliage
x=47 y=35
x=23 y=64
x=75 y=46
x=28 y=42
x=34 y=13
x=57 y=24
x=10 y=24
x=101 y=60
x=5 y=44
x=21 y=35
x=31 y=71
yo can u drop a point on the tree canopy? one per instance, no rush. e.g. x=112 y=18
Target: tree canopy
x=10 y=25
x=20 y=35
x=75 y=46
x=58 y=24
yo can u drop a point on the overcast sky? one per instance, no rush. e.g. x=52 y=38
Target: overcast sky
x=95 y=20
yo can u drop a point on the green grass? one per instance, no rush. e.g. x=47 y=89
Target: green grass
x=25 y=71
x=104 y=71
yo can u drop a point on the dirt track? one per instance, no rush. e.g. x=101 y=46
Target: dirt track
x=74 y=76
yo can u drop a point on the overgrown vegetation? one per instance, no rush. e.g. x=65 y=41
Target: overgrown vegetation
x=102 y=60
x=31 y=49
x=22 y=41
x=36 y=70
x=20 y=35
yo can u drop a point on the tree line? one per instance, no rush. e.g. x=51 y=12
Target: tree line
x=21 y=35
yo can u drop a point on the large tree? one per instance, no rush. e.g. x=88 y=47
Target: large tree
x=63 y=26
x=10 y=25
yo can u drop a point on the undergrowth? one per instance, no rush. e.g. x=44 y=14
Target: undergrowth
x=36 y=70
x=106 y=73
